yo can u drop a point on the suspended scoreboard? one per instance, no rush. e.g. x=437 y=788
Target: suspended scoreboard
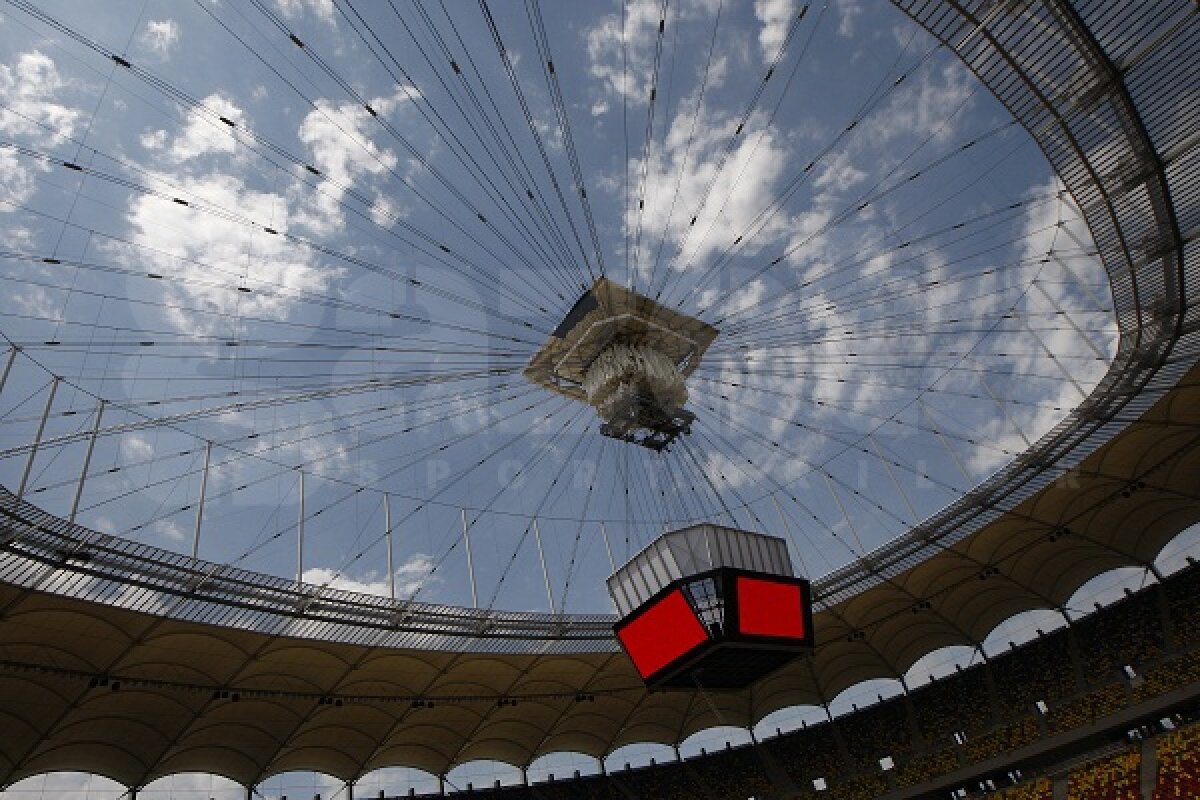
x=711 y=607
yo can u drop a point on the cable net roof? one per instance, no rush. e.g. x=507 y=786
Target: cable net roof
x=227 y=338
x=296 y=271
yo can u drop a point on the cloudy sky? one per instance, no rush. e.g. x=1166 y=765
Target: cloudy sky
x=325 y=236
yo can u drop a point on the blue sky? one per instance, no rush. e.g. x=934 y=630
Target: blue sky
x=250 y=256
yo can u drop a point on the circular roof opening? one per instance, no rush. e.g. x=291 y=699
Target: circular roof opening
x=285 y=281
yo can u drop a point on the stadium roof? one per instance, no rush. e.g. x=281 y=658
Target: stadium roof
x=297 y=678
x=249 y=704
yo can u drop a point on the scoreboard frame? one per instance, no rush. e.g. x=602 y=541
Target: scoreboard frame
x=729 y=638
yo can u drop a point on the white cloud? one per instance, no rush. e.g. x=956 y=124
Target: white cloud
x=926 y=105
x=28 y=89
x=741 y=299
x=153 y=140
x=202 y=135
x=202 y=162
x=323 y=455
x=922 y=108
x=169 y=529
x=410 y=576
x=171 y=233
x=776 y=17
x=160 y=36
x=18 y=184
x=982 y=297
x=1048 y=226
x=383 y=211
x=20 y=237
x=622 y=61
x=839 y=174
x=750 y=175
x=414 y=573
x=550 y=132
x=35 y=301
x=322 y=9
x=850 y=11
x=340 y=141
x=135 y=448
x=608 y=47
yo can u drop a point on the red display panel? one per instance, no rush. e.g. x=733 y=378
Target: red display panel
x=770 y=608
x=661 y=634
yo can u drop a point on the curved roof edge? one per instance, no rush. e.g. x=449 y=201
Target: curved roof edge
x=1059 y=78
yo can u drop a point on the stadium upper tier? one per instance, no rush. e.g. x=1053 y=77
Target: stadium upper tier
x=982 y=723
x=132 y=662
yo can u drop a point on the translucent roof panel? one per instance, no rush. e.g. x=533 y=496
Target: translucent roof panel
x=690 y=551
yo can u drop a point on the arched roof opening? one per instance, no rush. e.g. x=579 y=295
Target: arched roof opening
x=301 y=783
x=65 y=785
x=1021 y=628
x=395 y=781
x=1106 y=589
x=561 y=764
x=941 y=663
x=638 y=754
x=1179 y=552
x=866 y=693
x=193 y=786
x=712 y=740
x=482 y=774
x=786 y=720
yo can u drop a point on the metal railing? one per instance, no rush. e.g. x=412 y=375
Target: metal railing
x=44 y=552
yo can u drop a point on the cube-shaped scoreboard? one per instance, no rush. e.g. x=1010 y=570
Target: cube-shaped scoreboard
x=711 y=607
